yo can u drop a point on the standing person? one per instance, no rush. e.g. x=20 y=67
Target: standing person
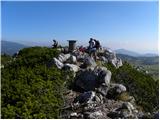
x=92 y=49
x=97 y=44
x=91 y=43
x=55 y=44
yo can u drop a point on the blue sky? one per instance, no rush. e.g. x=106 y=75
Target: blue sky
x=129 y=25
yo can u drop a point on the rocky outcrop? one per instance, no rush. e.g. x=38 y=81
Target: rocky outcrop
x=99 y=97
x=111 y=57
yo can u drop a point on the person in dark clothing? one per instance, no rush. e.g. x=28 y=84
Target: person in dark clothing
x=97 y=44
x=55 y=44
x=91 y=43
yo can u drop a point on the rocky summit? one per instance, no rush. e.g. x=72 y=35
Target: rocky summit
x=94 y=95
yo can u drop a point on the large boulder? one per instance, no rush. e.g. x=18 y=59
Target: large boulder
x=86 y=80
x=115 y=89
x=92 y=78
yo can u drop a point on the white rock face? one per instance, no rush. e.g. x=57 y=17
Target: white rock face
x=104 y=59
x=111 y=57
x=108 y=77
x=63 y=57
x=73 y=59
x=74 y=114
x=119 y=88
x=58 y=63
x=71 y=67
x=89 y=61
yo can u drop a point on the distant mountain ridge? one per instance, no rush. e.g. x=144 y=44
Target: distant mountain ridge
x=10 y=48
x=134 y=54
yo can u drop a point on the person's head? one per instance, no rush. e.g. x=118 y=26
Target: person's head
x=54 y=40
x=91 y=38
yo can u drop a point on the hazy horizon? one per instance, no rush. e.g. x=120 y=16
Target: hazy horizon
x=78 y=44
x=128 y=25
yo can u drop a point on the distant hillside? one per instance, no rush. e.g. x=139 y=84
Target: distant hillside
x=126 y=52
x=10 y=48
x=134 y=54
x=139 y=60
x=150 y=64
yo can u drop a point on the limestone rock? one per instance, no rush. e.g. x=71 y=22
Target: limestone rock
x=63 y=57
x=115 y=89
x=71 y=67
x=58 y=63
x=116 y=62
x=72 y=59
x=89 y=61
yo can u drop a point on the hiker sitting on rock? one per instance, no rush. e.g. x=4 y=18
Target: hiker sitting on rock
x=55 y=44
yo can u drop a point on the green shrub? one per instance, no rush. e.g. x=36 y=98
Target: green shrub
x=5 y=59
x=29 y=88
x=36 y=56
x=142 y=86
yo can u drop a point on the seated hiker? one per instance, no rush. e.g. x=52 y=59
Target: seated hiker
x=55 y=44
